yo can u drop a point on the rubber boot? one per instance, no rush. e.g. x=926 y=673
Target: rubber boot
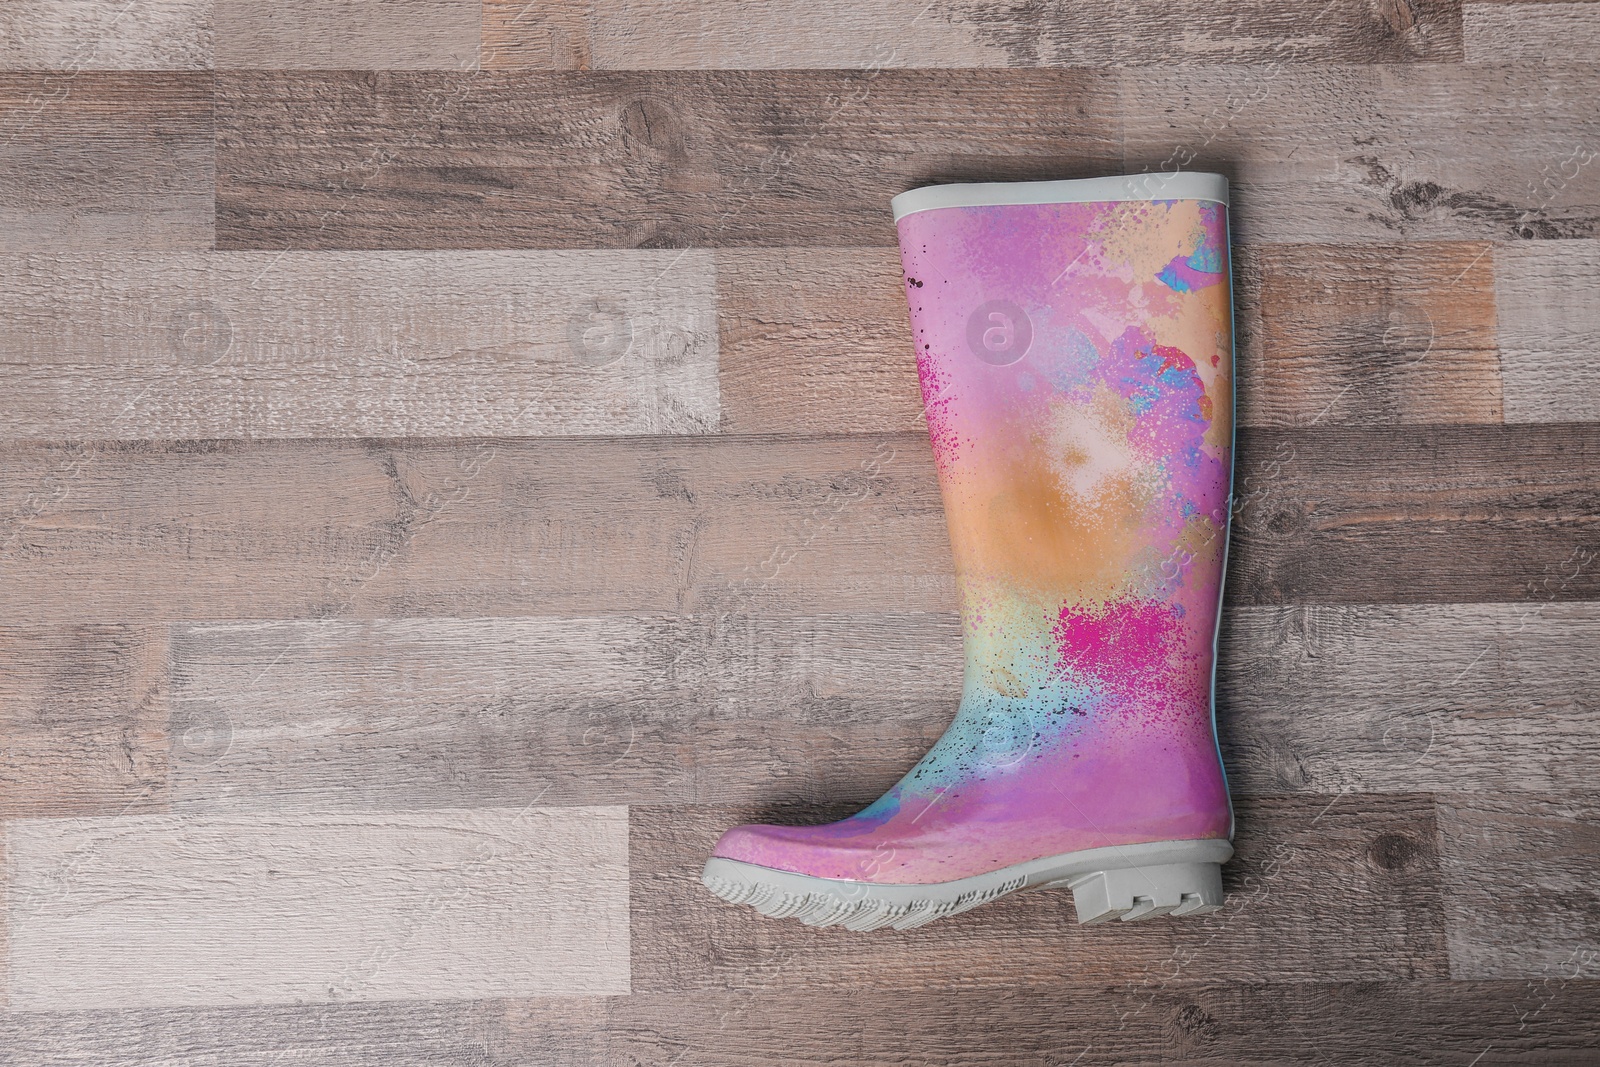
x=1075 y=344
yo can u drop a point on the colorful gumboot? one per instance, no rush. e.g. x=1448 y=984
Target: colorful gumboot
x=1075 y=346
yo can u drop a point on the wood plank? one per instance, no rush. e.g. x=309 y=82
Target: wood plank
x=617 y=709
x=671 y=159
x=517 y=528
x=1420 y=514
x=816 y=341
x=74 y=35
x=1522 y=902
x=1530 y=32
x=131 y=346
x=1367 y=866
x=1340 y=155
x=404 y=905
x=1461 y=698
x=348 y=35
x=1548 y=293
x=85 y=716
x=106 y=160
x=666 y=34
x=738 y=709
x=1187 y=1020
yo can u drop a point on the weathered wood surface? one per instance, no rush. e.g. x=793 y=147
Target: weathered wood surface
x=140 y=346
x=312 y=516
x=537 y=159
x=347 y=34
x=85 y=714
x=1524 y=900
x=163 y=910
x=75 y=35
x=668 y=34
x=1253 y=1025
x=1547 y=296
x=106 y=160
x=386 y=529
x=740 y=709
x=1529 y=32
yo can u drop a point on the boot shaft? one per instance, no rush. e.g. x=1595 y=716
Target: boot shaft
x=1077 y=372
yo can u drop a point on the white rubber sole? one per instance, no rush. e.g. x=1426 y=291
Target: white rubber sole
x=1127 y=882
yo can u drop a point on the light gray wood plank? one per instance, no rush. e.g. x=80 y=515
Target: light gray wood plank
x=1548 y=296
x=1461 y=697
x=616 y=709
x=669 y=34
x=1522 y=900
x=124 y=346
x=84 y=711
x=1530 y=32
x=1345 y=154
x=741 y=709
x=180 y=911
x=73 y=35
x=348 y=34
x=106 y=160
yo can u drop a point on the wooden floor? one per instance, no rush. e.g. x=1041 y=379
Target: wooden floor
x=460 y=457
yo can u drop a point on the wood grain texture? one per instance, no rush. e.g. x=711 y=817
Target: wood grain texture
x=1376 y=154
x=815 y=340
x=1525 y=902
x=1383 y=920
x=285 y=909
x=498 y=528
x=135 y=346
x=606 y=710
x=74 y=35
x=105 y=160
x=1366 y=334
x=85 y=717
x=1491 y=699
x=1530 y=32
x=733 y=709
x=540 y=160
x=348 y=34
x=1548 y=296
x=1138 y=1021
x=668 y=34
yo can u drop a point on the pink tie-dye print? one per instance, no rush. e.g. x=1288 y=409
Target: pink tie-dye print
x=1076 y=364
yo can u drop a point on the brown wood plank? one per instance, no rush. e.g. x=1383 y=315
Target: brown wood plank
x=1139 y=1020
x=139 y=346
x=1530 y=32
x=1356 y=154
x=1367 y=865
x=539 y=160
x=1523 y=901
x=320 y=529
x=1460 y=697
x=74 y=35
x=85 y=716
x=347 y=34
x=105 y=160
x=668 y=34
x=815 y=340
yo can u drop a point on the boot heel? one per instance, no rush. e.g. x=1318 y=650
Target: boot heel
x=1134 y=893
